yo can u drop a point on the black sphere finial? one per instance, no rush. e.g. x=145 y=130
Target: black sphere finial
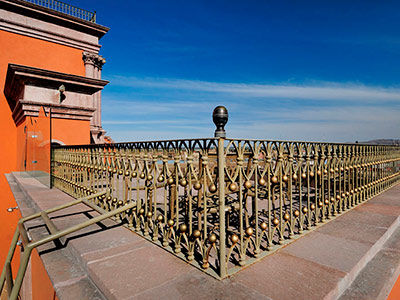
x=220 y=118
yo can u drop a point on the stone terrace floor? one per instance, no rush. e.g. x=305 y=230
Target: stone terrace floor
x=355 y=256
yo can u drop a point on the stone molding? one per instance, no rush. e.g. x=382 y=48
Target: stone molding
x=45 y=35
x=93 y=63
x=89 y=57
x=35 y=21
x=27 y=89
x=100 y=62
x=93 y=66
x=26 y=108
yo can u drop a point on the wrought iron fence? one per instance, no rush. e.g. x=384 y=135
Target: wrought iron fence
x=221 y=204
x=66 y=8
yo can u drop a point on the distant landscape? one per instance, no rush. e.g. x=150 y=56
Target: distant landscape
x=383 y=142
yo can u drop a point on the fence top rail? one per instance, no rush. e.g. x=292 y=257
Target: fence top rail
x=143 y=144
x=66 y=9
x=310 y=142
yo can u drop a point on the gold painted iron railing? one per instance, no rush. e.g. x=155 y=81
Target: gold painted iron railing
x=12 y=286
x=221 y=204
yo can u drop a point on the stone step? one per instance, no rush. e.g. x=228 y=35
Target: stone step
x=70 y=280
x=377 y=278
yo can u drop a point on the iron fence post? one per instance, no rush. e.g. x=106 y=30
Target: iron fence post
x=221 y=196
x=220 y=118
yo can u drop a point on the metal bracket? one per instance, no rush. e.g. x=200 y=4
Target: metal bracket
x=14 y=286
x=11 y=209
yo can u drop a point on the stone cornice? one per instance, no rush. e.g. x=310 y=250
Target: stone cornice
x=47 y=14
x=17 y=75
x=31 y=108
x=28 y=88
x=31 y=20
x=47 y=35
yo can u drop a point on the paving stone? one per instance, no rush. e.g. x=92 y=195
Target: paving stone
x=393 y=243
x=71 y=211
x=364 y=233
x=283 y=276
x=132 y=273
x=367 y=216
x=98 y=239
x=104 y=253
x=196 y=285
x=373 y=282
x=381 y=209
x=323 y=249
x=62 y=266
x=82 y=289
x=63 y=222
x=387 y=199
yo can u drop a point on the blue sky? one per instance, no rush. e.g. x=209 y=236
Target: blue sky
x=301 y=70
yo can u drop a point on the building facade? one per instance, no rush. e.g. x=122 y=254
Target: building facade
x=49 y=66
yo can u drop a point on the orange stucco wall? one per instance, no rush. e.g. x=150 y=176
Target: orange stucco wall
x=33 y=143
x=69 y=132
x=395 y=292
x=42 y=288
x=73 y=132
x=18 y=49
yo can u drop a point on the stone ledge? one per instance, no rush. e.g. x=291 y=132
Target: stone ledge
x=122 y=265
x=68 y=277
x=376 y=280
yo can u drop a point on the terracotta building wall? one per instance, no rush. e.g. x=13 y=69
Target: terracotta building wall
x=32 y=52
x=42 y=288
x=65 y=131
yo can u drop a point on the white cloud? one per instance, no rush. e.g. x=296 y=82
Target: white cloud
x=171 y=108
x=322 y=91
x=147 y=122
x=356 y=113
x=317 y=124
